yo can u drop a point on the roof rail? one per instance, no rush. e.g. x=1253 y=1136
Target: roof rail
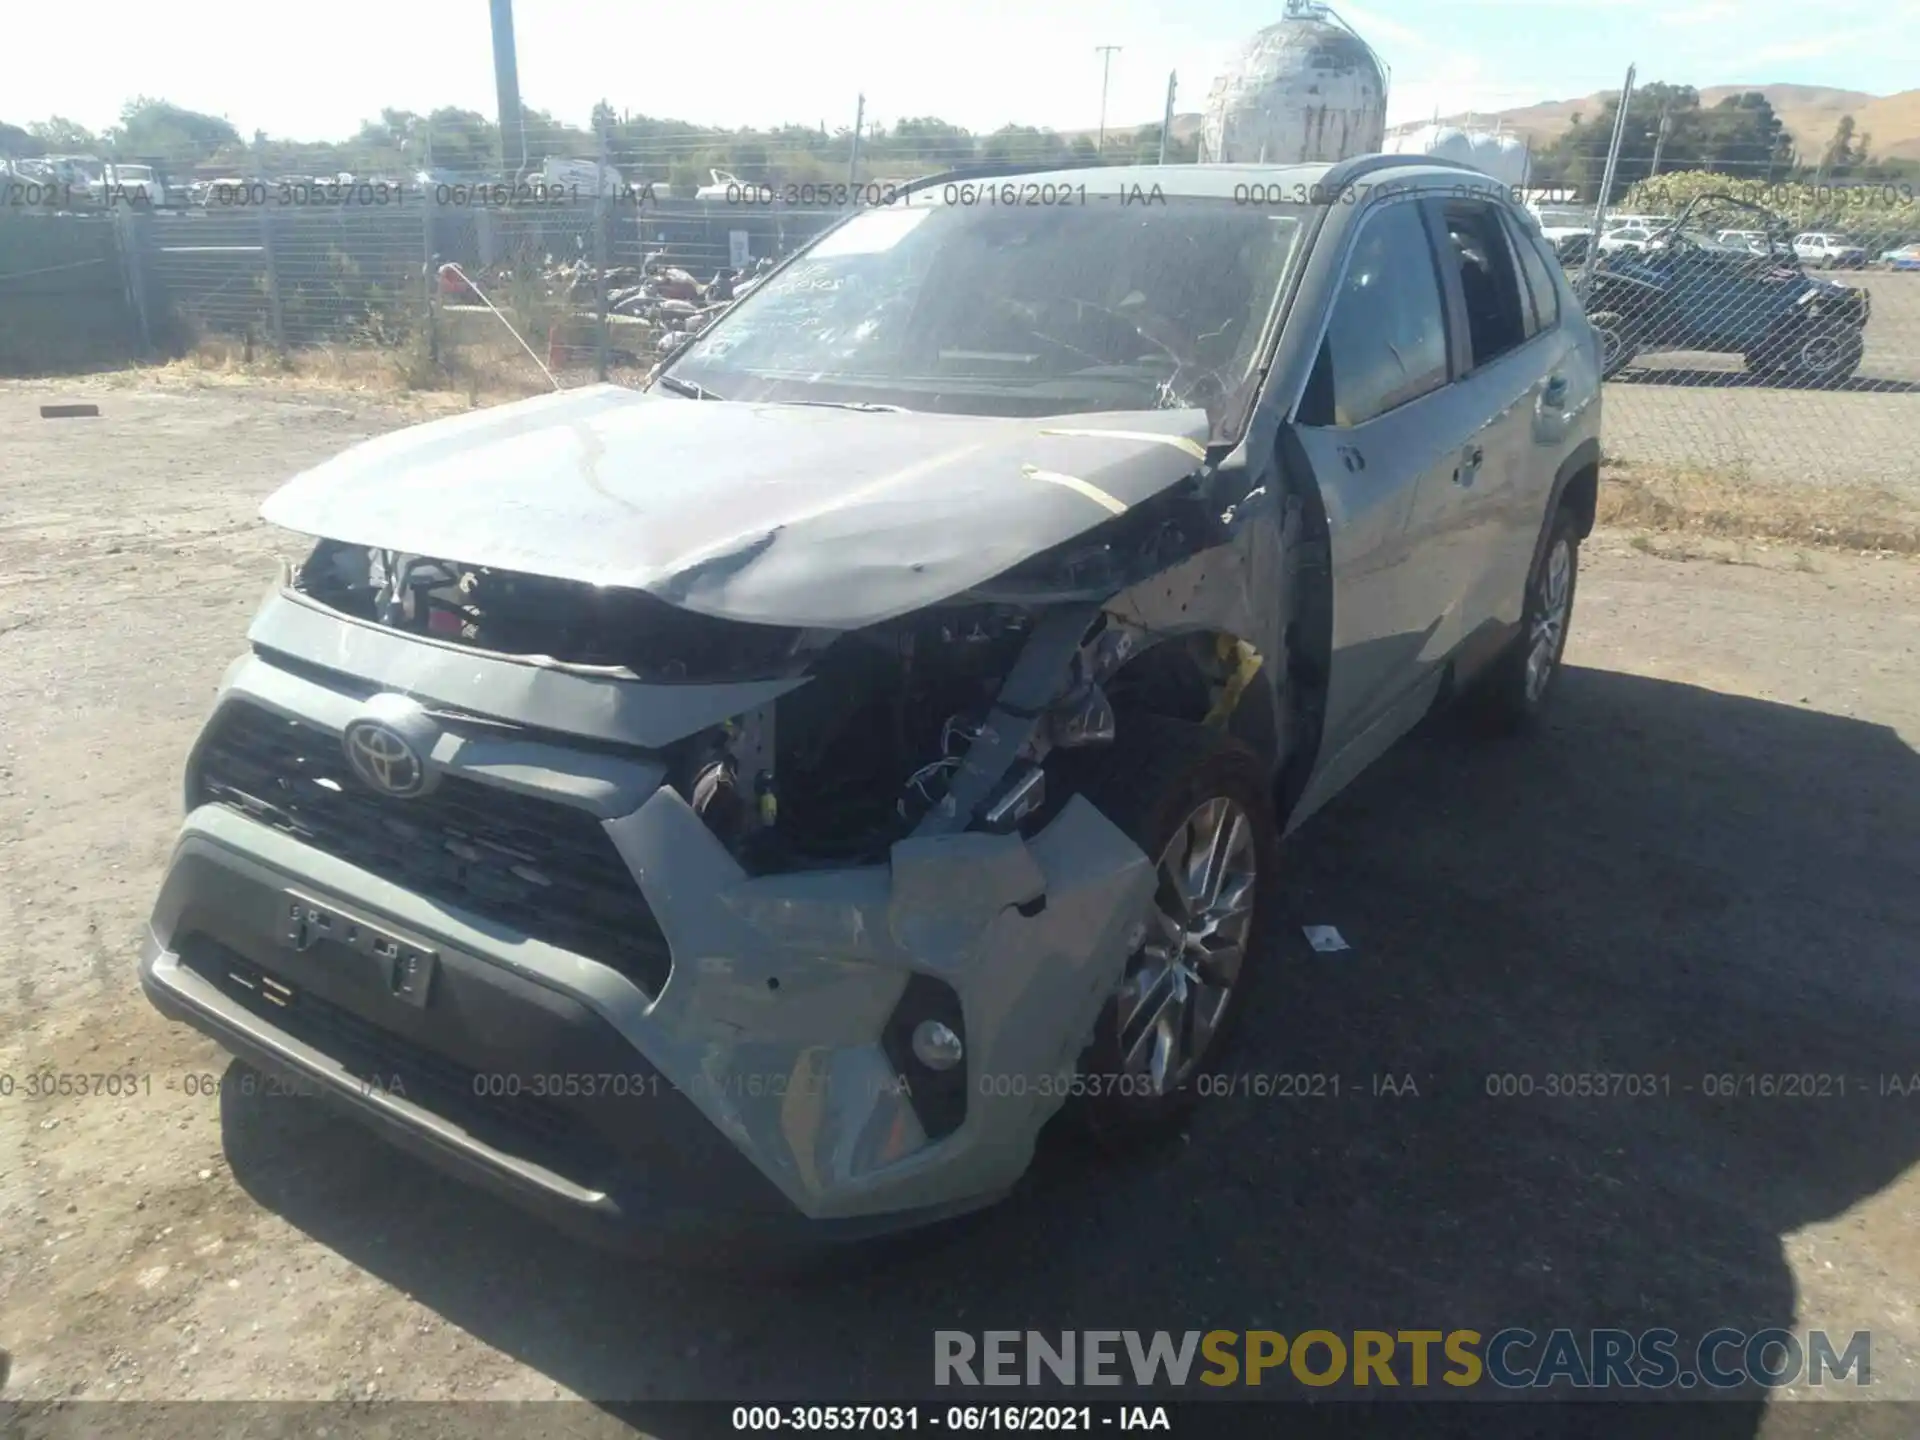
x=990 y=170
x=1345 y=172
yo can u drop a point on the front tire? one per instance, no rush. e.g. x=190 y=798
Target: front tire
x=1822 y=353
x=1199 y=804
x=1514 y=693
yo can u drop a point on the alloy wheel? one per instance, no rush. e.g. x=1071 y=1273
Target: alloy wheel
x=1549 y=630
x=1180 y=982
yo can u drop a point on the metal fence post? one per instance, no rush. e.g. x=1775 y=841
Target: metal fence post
x=132 y=234
x=600 y=248
x=1585 y=286
x=275 y=318
x=429 y=271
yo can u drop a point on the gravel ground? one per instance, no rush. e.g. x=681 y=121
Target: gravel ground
x=1703 y=867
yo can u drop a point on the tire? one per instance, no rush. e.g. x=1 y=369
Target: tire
x=1510 y=698
x=1826 y=354
x=1619 y=341
x=1155 y=779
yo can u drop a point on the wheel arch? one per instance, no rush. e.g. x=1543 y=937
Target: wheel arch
x=1577 y=484
x=1204 y=677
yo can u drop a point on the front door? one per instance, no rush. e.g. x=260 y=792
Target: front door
x=1379 y=421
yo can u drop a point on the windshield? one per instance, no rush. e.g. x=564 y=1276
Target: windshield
x=1036 y=310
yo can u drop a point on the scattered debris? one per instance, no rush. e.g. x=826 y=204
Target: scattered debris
x=68 y=412
x=1324 y=938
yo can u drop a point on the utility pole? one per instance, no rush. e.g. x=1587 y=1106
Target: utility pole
x=1106 y=53
x=853 y=160
x=1166 y=122
x=1660 y=137
x=506 y=82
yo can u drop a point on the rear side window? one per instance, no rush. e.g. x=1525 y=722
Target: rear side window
x=1386 y=339
x=1538 y=274
x=1477 y=249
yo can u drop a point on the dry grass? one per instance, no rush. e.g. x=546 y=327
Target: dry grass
x=1733 y=505
x=477 y=373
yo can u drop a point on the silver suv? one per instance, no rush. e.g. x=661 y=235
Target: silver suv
x=752 y=807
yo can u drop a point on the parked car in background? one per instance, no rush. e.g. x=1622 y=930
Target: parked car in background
x=227 y=191
x=1906 y=257
x=1629 y=237
x=1829 y=251
x=1754 y=242
x=723 y=185
x=1693 y=292
x=581 y=177
x=819 y=768
x=138 y=186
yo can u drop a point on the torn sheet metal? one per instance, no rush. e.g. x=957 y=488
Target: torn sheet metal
x=779 y=514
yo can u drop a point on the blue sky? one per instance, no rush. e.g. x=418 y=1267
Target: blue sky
x=315 y=71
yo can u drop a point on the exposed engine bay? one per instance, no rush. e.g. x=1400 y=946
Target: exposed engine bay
x=831 y=773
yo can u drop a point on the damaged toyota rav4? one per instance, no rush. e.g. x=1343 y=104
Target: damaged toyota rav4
x=753 y=806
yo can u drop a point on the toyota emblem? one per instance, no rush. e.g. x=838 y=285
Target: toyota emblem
x=387 y=746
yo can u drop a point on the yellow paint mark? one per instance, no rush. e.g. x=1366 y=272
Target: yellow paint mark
x=1076 y=484
x=1179 y=442
x=1246 y=664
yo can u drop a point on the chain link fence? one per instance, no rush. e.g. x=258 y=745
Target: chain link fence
x=1755 y=329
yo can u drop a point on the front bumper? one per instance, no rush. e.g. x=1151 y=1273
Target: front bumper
x=755 y=1095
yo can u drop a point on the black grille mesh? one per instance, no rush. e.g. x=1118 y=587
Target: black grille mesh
x=539 y=868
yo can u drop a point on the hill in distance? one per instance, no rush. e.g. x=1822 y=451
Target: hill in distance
x=1808 y=111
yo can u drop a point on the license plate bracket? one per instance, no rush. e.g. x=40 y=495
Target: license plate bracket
x=408 y=968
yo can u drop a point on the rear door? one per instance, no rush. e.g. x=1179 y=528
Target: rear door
x=1475 y=521
x=1378 y=420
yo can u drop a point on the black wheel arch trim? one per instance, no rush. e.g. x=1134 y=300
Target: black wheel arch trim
x=1584 y=458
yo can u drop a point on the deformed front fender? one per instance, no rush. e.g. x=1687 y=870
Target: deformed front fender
x=772 y=1020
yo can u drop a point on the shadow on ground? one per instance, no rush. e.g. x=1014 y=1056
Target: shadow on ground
x=1667 y=882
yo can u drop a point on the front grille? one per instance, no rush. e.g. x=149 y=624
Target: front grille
x=536 y=867
x=521 y=1125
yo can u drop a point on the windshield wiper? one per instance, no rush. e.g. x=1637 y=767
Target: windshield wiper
x=868 y=405
x=686 y=388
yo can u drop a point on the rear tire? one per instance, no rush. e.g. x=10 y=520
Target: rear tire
x=1510 y=698
x=1173 y=787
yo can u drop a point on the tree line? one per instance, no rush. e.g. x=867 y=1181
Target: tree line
x=1669 y=130
x=458 y=143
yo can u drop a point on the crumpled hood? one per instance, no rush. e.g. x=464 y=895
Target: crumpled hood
x=793 y=515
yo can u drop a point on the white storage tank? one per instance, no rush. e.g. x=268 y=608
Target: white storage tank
x=1504 y=157
x=1307 y=89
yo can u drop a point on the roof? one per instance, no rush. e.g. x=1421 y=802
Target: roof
x=1220 y=181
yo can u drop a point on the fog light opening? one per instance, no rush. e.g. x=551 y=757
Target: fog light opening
x=936 y=1046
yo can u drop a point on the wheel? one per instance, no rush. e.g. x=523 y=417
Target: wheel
x=1199 y=804
x=1619 y=341
x=1513 y=693
x=1823 y=354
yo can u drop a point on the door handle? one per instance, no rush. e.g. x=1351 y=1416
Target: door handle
x=1469 y=466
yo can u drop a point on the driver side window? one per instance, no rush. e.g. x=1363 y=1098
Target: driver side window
x=1386 y=341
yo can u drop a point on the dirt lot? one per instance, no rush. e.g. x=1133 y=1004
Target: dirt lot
x=1705 y=867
